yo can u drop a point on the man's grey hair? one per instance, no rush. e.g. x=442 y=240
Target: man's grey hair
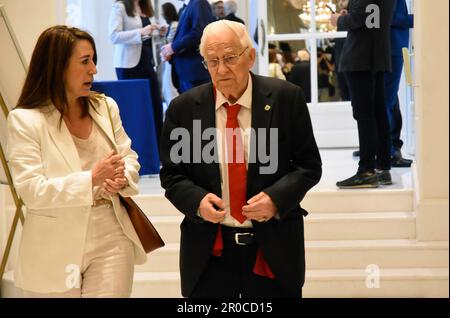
x=230 y=7
x=221 y=26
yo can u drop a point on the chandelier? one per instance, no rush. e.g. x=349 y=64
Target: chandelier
x=322 y=15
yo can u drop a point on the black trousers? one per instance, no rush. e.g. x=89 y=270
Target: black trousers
x=144 y=70
x=367 y=95
x=392 y=84
x=231 y=276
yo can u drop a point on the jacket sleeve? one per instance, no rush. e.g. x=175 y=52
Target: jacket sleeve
x=117 y=34
x=181 y=191
x=289 y=191
x=356 y=18
x=401 y=19
x=130 y=157
x=201 y=17
x=27 y=167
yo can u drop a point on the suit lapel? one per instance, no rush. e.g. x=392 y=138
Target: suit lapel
x=262 y=109
x=63 y=140
x=205 y=111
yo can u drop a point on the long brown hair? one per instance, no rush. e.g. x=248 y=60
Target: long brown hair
x=44 y=83
x=146 y=7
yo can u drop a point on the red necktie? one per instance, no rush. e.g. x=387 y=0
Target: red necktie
x=237 y=183
x=237 y=170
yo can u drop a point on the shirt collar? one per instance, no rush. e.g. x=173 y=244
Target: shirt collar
x=245 y=100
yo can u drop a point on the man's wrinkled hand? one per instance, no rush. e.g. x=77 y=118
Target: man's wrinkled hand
x=260 y=208
x=208 y=210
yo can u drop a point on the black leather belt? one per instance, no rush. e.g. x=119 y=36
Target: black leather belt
x=239 y=236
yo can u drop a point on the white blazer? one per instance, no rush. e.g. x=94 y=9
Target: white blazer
x=58 y=195
x=125 y=32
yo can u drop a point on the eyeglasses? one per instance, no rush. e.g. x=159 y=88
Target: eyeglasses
x=228 y=61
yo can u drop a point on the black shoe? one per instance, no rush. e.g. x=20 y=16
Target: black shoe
x=355 y=153
x=401 y=162
x=398 y=161
x=360 y=181
x=384 y=177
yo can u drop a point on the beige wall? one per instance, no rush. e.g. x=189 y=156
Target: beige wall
x=432 y=110
x=29 y=18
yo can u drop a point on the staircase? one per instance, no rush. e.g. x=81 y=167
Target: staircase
x=359 y=243
x=345 y=232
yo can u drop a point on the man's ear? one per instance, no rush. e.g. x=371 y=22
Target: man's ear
x=252 y=57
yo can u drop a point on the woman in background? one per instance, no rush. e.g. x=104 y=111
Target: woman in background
x=131 y=26
x=275 y=70
x=70 y=159
x=169 y=89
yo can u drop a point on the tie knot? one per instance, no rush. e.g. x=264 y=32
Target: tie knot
x=232 y=110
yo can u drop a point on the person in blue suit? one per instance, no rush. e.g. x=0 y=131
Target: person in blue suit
x=183 y=51
x=401 y=23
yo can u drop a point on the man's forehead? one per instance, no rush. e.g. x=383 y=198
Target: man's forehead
x=222 y=43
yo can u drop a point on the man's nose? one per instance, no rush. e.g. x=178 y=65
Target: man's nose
x=222 y=67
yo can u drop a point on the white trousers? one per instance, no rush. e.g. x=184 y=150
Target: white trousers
x=108 y=261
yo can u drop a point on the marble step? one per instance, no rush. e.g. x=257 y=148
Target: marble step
x=337 y=255
x=326 y=227
x=343 y=283
x=316 y=201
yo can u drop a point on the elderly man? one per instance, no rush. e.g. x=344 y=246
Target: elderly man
x=242 y=234
x=230 y=11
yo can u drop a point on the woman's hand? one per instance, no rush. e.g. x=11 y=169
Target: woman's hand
x=111 y=187
x=148 y=30
x=109 y=168
x=163 y=31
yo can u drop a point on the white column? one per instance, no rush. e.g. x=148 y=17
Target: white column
x=432 y=111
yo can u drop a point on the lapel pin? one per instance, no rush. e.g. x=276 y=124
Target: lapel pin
x=267 y=108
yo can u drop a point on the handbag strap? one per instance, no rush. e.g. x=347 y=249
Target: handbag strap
x=110 y=117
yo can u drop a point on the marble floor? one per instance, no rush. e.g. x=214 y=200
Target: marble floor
x=338 y=164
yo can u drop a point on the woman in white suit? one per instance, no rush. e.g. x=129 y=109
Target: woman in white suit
x=70 y=159
x=131 y=26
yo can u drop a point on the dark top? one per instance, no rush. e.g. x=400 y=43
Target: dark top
x=367 y=49
x=187 y=60
x=402 y=22
x=233 y=17
x=300 y=75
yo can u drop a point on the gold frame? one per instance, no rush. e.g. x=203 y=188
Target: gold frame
x=18 y=202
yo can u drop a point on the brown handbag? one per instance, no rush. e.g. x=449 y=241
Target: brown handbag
x=148 y=235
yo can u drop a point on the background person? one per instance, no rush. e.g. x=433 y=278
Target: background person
x=183 y=51
x=131 y=26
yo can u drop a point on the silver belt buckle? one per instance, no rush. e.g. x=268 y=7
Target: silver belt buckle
x=237 y=235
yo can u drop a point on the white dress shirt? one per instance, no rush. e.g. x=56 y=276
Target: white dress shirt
x=245 y=122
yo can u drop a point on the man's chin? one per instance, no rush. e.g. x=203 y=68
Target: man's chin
x=225 y=86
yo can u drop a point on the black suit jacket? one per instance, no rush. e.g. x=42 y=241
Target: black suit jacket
x=233 y=17
x=366 y=49
x=299 y=169
x=301 y=75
